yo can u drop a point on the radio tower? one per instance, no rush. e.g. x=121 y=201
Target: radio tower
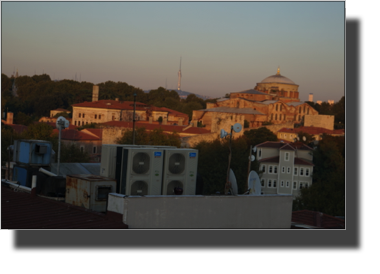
x=179 y=74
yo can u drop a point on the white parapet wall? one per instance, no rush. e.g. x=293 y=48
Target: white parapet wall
x=202 y=212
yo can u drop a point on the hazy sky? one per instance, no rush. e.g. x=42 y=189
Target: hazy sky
x=225 y=46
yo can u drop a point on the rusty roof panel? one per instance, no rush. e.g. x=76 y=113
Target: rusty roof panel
x=20 y=210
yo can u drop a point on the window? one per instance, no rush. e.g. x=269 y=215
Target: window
x=269 y=183
x=96 y=116
x=301 y=171
x=263 y=168
x=299 y=110
x=270 y=169
x=282 y=183
x=75 y=123
x=280 y=107
x=86 y=123
x=283 y=169
x=303 y=109
x=306 y=185
x=79 y=115
x=275 y=169
x=94 y=150
x=286 y=156
x=260 y=152
x=274 y=183
x=287 y=183
x=288 y=169
x=81 y=149
x=271 y=116
x=83 y=115
x=82 y=123
x=295 y=171
x=276 y=108
x=300 y=185
x=307 y=172
x=285 y=135
x=113 y=117
x=294 y=185
x=100 y=116
x=276 y=117
x=262 y=183
x=284 y=116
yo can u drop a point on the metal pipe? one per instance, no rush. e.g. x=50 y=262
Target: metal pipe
x=134 y=118
x=34 y=181
x=47 y=172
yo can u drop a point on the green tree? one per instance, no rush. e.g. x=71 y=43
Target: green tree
x=23 y=119
x=155 y=137
x=258 y=136
x=327 y=193
x=39 y=131
x=71 y=153
x=213 y=163
x=308 y=137
x=63 y=114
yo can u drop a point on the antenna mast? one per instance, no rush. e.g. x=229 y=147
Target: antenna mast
x=179 y=74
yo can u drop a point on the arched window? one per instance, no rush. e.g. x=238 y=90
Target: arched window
x=96 y=116
x=299 y=110
x=276 y=117
x=307 y=110
x=79 y=115
x=276 y=107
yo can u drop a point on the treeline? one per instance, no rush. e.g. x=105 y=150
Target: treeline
x=37 y=95
x=327 y=193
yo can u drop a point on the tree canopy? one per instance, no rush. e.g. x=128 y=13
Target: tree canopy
x=155 y=137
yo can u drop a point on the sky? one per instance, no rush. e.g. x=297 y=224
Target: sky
x=224 y=46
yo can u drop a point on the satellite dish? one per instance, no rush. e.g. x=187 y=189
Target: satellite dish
x=237 y=127
x=254 y=184
x=252 y=158
x=223 y=133
x=304 y=138
x=232 y=179
x=254 y=149
x=62 y=122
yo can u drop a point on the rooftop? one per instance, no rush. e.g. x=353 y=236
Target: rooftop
x=21 y=210
x=251 y=91
x=311 y=130
x=112 y=104
x=316 y=220
x=234 y=110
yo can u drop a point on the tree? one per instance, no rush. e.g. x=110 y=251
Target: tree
x=23 y=119
x=63 y=114
x=327 y=193
x=39 y=131
x=308 y=137
x=258 y=136
x=71 y=153
x=155 y=137
x=213 y=162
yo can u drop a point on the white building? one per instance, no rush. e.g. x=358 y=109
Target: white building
x=286 y=168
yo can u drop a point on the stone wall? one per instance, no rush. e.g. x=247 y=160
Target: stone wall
x=110 y=134
x=324 y=121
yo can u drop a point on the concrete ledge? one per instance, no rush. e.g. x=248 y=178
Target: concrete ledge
x=202 y=212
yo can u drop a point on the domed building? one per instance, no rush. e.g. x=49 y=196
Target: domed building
x=274 y=87
x=274 y=100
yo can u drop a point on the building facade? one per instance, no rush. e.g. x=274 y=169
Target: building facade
x=275 y=100
x=285 y=168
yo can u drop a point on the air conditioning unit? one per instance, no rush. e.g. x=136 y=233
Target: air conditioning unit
x=180 y=170
x=141 y=171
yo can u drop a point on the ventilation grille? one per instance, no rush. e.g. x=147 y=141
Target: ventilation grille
x=139 y=188
x=141 y=163
x=177 y=163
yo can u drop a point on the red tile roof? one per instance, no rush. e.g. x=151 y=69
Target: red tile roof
x=317 y=219
x=96 y=131
x=287 y=147
x=75 y=135
x=112 y=104
x=271 y=144
x=54 y=125
x=275 y=159
x=21 y=210
x=312 y=130
x=171 y=111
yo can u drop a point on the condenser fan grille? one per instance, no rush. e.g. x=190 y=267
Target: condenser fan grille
x=139 y=188
x=177 y=163
x=141 y=163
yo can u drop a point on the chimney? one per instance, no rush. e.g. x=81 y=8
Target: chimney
x=180 y=122
x=10 y=118
x=95 y=93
